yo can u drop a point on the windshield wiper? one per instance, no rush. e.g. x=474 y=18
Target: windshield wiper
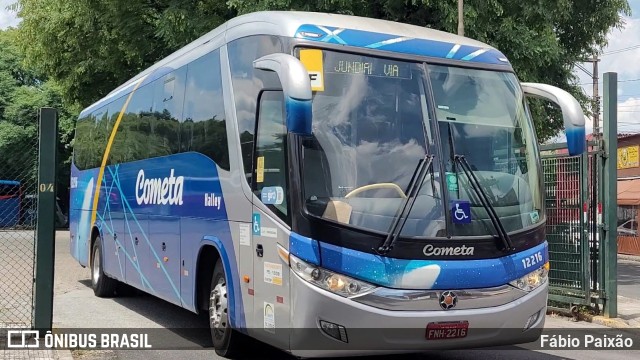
x=484 y=199
x=415 y=184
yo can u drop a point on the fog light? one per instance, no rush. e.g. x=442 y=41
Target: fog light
x=336 y=331
x=531 y=320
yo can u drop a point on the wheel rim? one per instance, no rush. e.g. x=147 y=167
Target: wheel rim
x=96 y=267
x=218 y=307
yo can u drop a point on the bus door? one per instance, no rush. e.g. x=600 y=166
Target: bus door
x=270 y=212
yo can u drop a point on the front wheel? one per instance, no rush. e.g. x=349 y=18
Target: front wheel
x=103 y=286
x=226 y=341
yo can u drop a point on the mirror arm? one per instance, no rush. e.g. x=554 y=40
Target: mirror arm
x=296 y=87
x=572 y=113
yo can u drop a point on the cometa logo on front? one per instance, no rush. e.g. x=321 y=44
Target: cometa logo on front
x=430 y=250
x=159 y=191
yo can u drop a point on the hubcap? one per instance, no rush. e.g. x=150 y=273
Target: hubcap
x=218 y=306
x=96 y=266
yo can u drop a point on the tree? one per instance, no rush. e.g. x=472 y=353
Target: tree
x=91 y=46
x=22 y=94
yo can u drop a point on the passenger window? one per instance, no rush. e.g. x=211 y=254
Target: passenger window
x=204 y=126
x=167 y=111
x=270 y=171
x=132 y=141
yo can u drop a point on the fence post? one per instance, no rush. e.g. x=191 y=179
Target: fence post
x=610 y=213
x=45 y=238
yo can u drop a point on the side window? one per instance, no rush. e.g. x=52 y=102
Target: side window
x=204 y=127
x=132 y=141
x=113 y=112
x=247 y=84
x=164 y=122
x=270 y=158
x=93 y=133
x=82 y=142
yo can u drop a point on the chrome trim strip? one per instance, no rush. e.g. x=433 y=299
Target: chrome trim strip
x=429 y=300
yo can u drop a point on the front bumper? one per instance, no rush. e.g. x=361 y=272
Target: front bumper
x=374 y=331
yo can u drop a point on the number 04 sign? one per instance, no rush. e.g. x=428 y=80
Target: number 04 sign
x=45 y=187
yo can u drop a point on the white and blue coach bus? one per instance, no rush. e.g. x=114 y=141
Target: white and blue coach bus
x=295 y=171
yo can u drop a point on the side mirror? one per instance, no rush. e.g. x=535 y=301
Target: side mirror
x=296 y=87
x=571 y=113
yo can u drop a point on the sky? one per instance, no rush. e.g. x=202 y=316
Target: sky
x=622 y=55
x=7 y=18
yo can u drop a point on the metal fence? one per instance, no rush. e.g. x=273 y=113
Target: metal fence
x=18 y=212
x=573 y=201
x=565 y=202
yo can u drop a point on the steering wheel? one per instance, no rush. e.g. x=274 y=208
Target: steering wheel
x=376 y=186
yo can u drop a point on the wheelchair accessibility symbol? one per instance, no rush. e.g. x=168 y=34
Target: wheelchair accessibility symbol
x=461 y=212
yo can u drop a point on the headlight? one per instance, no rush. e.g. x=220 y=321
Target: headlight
x=533 y=279
x=328 y=280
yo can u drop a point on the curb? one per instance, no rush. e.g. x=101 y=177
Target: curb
x=629 y=257
x=615 y=323
x=63 y=354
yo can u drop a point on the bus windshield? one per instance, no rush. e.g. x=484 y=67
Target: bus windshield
x=372 y=127
x=482 y=117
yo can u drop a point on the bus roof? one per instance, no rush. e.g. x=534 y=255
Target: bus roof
x=9 y=182
x=328 y=28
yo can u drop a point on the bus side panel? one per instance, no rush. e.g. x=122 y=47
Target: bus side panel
x=272 y=300
x=193 y=233
x=236 y=191
x=109 y=219
x=164 y=255
x=156 y=195
x=81 y=202
x=138 y=261
x=113 y=235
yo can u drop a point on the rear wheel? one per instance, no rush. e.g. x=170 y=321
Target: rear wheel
x=103 y=286
x=226 y=340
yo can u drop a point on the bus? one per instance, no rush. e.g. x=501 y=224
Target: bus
x=10 y=203
x=327 y=184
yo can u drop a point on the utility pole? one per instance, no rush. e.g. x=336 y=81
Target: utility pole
x=460 y=18
x=596 y=98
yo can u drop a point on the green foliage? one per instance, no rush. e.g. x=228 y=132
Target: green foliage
x=91 y=46
x=22 y=94
x=69 y=53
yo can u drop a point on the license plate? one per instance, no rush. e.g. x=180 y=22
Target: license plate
x=447 y=330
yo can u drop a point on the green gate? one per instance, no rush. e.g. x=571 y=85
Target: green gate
x=567 y=181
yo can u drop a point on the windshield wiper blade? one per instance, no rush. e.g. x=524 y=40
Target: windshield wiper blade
x=484 y=199
x=417 y=180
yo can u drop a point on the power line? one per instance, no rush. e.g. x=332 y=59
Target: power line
x=620 y=81
x=617 y=51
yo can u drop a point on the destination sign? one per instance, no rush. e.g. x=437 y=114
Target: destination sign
x=367 y=66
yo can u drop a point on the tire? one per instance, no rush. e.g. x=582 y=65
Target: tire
x=103 y=286
x=226 y=341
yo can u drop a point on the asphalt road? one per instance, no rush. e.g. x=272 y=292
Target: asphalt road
x=75 y=306
x=629 y=278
